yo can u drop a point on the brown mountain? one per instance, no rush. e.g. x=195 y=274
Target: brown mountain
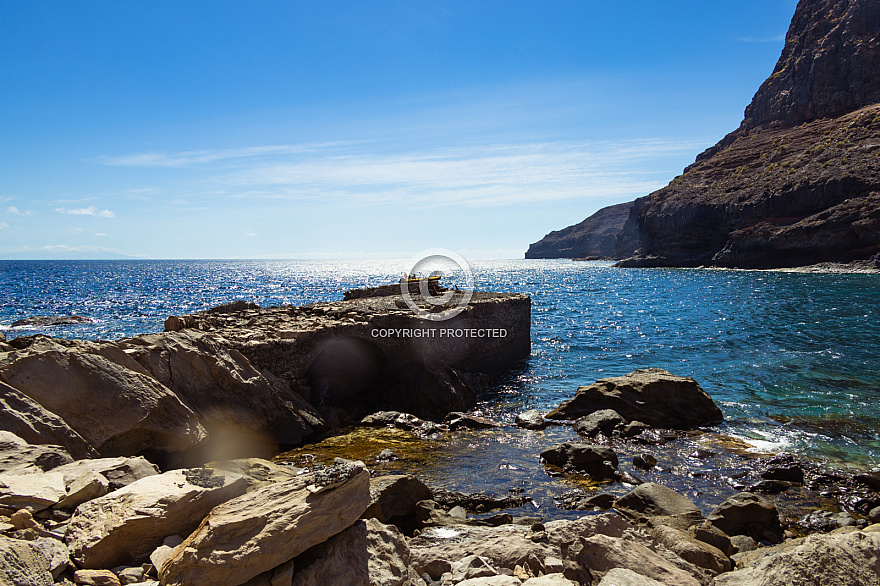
x=797 y=183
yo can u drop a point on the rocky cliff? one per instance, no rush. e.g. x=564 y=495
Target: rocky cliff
x=595 y=237
x=797 y=182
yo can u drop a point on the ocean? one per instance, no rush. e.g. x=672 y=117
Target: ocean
x=791 y=358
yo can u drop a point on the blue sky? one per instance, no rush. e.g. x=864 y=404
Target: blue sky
x=355 y=129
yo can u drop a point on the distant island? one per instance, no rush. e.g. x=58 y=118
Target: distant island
x=796 y=184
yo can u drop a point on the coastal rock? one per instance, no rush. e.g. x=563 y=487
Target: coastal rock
x=96 y=578
x=825 y=521
x=742 y=543
x=549 y=580
x=652 y=500
x=436 y=550
x=830 y=560
x=472 y=566
x=748 y=514
x=393 y=499
x=258 y=472
x=33 y=423
x=263 y=529
x=392 y=419
x=696 y=552
x=120 y=471
x=103 y=395
x=55 y=552
x=644 y=461
x=367 y=553
x=597 y=461
x=18 y=457
x=531 y=419
x=22 y=563
x=708 y=533
x=243 y=409
x=89 y=485
x=35 y=492
x=42 y=321
x=457 y=420
x=128 y=524
x=604 y=421
x=601 y=554
x=624 y=577
x=653 y=396
x=785 y=473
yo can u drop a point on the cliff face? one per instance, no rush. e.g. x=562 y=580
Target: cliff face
x=798 y=182
x=597 y=236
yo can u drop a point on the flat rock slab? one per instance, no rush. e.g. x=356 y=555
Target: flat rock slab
x=263 y=529
x=653 y=396
x=125 y=526
x=119 y=471
x=35 y=492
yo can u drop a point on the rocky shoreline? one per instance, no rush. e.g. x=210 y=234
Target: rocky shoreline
x=362 y=517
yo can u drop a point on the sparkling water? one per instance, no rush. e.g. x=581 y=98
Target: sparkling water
x=791 y=358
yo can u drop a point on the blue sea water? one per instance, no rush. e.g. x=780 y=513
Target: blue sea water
x=791 y=358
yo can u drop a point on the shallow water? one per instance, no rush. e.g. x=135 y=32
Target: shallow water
x=789 y=357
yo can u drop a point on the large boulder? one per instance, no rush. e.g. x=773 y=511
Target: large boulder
x=393 y=498
x=601 y=553
x=35 y=424
x=238 y=404
x=624 y=577
x=841 y=559
x=125 y=526
x=368 y=553
x=653 y=396
x=696 y=552
x=597 y=461
x=103 y=395
x=654 y=500
x=749 y=514
x=263 y=529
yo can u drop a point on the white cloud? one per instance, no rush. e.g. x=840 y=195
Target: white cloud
x=249 y=233
x=480 y=175
x=64 y=248
x=776 y=39
x=99 y=234
x=3 y=225
x=186 y=158
x=16 y=212
x=89 y=211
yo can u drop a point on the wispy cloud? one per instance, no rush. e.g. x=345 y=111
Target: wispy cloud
x=776 y=39
x=479 y=175
x=249 y=233
x=187 y=158
x=89 y=211
x=66 y=248
x=3 y=225
x=16 y=212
